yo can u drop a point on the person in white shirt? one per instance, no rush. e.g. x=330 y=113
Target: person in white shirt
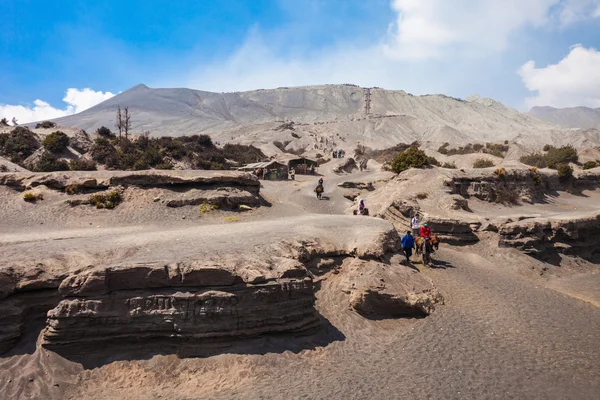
x=414 y=224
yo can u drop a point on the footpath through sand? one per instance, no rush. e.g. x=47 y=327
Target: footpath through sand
x=501 y=333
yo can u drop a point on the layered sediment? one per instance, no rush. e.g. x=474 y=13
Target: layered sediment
x=572 y=234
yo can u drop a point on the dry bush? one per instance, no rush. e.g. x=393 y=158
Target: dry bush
x=422 y=196
x=483 y=163
x=451 y=165
x=108 y=200
x=206 y=208
x=32 y=197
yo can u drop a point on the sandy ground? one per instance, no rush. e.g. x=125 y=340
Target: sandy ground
x=505 y=332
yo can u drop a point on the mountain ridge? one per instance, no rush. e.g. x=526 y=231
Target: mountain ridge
x=571 y=117
x=324 y=113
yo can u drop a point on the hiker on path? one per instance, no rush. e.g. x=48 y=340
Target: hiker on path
x=414 y=224
x=408 y=244
x=14 y=121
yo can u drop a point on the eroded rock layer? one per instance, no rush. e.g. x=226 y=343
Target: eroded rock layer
x=578 y=235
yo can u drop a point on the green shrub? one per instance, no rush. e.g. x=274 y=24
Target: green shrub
x=565 y=171
x=451 y=165
x=483 y=163
x=48 y=163
x=19 y=144
x=547 y=147
x=165 y=165
x=82 y=165
x=102 y=150
x=56 y=142
x=537 y=160
x=45 y=125
x=108 y=200
x=561 y=155
x=590 y=165
x=105 y=132
x=413 y=157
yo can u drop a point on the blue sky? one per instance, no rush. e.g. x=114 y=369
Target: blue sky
x=455 y=47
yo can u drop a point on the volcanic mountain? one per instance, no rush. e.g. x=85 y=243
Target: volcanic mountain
x=306 y=116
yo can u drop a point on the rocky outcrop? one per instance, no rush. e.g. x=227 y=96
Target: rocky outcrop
x=575 y=234
x=100 y=180
x=179 y=302
x=508 y=187
x=378 y=290
x=222 y=197
x=346 y=167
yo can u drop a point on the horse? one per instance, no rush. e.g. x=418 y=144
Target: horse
x=420 y=242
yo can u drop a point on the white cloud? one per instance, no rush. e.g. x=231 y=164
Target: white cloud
x=597 y=12
x=573 y=81
x=77 y=100
x=426 y=28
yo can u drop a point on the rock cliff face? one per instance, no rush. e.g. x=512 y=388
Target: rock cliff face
x=577 y=235
x=207 y=292
x=178 y=302
x=181 y=188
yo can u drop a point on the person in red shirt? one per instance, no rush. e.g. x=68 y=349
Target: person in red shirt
x=425 y=231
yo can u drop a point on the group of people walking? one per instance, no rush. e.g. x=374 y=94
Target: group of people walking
x=419 y=231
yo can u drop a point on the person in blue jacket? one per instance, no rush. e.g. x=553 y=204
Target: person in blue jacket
x=408 y=244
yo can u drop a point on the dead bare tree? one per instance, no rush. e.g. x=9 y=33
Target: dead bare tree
x=119 y=123
x=127 y=121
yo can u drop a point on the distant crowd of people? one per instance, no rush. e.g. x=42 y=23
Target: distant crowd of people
x=338 y=154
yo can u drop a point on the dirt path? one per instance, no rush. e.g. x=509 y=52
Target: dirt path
x=502 y=334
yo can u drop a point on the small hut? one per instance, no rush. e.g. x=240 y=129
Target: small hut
x=271 y=170
x=302 y=165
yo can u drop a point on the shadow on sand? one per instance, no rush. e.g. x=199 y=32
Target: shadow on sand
x=98 y=354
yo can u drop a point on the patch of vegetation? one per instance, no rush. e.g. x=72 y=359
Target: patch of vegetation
x=3 y=168
x=451 y=165
x=206 y=208
x=413 y=157
x=56 y=142
x=498 y=150
x=422 y=196
x=591 y=164
x=483 y=163
x=82 y=165
x=145 y=152
x=19 y=144
x=535 y=176
x=32 y=197
x=49 y=163
x=4 y=122
x=108 y=200
x=562 y=155
x=565 y=171
x=381 y=156
x=553 y=157
x=500 y=173
x=45 y=125
x=534 y=159
x=231 y=219
x=105 y=133
x=165 y=165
